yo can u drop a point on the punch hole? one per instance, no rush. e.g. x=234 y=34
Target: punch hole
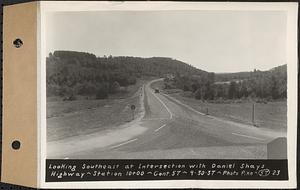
x=18 y=43
x=16 y=145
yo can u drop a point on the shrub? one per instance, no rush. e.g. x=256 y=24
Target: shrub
x=53 y=90
x=185 y=88
x=69 y=98
x=86 y=89
x=131 y=80
x=198 y=94
x=115 y=87
x=102 y=91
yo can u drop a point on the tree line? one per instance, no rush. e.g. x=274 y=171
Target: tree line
x=70 y=74
x=267 y=85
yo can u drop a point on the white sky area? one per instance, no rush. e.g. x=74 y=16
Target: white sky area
x=214 y=41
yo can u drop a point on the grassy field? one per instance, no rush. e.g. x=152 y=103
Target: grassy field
x=272 y=115
x=71 y=118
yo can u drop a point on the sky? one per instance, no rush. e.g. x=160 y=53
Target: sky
x=214 y=41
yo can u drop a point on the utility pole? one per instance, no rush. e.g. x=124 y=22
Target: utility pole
x=253 y=113
x=132 y=109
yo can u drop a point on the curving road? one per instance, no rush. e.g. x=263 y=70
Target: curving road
x=167 y=128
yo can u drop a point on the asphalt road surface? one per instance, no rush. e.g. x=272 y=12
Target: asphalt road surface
x=167 y=128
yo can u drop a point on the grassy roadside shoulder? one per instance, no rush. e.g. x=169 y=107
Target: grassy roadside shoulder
x=72 y=118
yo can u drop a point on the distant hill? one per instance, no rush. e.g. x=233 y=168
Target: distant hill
x=224 y=77
x=153 y=66
x=280 y=69
x=71 y=73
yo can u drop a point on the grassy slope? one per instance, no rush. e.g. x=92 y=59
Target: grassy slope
x=71 y=118
x=272 y=115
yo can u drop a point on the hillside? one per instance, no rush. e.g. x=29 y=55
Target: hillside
x=71 y=73
x=222 y=77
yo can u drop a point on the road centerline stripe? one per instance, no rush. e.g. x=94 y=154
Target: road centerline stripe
x=116 y=146
x=251 y=137
x=160 y=127
x=171 y=115
x=161 y=118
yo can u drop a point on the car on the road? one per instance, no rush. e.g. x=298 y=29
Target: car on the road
x=156 y=90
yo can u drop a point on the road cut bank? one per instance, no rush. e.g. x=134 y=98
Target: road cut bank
x=164 y=169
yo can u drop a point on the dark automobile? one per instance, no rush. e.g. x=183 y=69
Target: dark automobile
x=156 y=90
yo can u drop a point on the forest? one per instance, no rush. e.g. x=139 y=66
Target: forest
x=71 y=74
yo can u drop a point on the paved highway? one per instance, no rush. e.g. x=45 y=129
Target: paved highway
x=167 y=128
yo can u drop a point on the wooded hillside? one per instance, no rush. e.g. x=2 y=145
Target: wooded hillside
x=70 y=73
